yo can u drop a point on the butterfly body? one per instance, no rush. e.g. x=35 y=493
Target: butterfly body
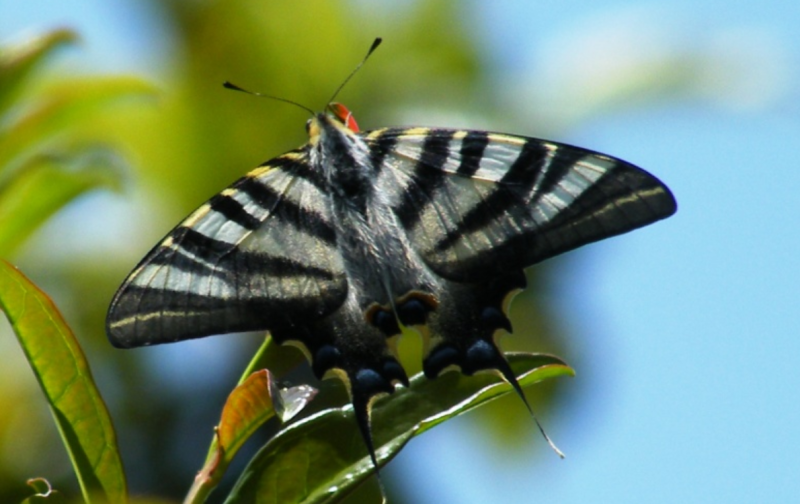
x=339 y=244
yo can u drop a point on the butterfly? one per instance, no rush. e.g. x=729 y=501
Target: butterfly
x=342 y=243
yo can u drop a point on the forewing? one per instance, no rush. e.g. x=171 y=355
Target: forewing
x=475 y=204
x=257 y=256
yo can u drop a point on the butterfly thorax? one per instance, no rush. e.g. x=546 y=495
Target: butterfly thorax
x=343 y=159
x=380 y=264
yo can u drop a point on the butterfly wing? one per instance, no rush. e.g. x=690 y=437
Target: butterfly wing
x=245 y=260
x=476 y=204
x=479 y=207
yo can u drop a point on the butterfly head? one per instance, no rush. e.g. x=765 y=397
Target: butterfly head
x=336 y=116
x=343 y=115
x=333 y=131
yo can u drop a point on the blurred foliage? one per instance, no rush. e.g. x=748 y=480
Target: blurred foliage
x=45 y=162
x=194 y=141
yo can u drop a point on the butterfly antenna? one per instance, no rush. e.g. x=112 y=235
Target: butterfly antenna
x=508 y=376
x=230 y=85
x=372 y=48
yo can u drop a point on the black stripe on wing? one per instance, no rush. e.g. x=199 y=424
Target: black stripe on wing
x=472 y=147
x=259 y=193
x=427 y=176
x=233 y=211
x=161 y=316
x=198 y=254
x=381 y=146
x=291 y=213
x=294 y=162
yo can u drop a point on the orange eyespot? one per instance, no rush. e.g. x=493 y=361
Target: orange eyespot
x=344 y=115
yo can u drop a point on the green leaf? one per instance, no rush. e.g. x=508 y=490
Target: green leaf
x=60 y=110
x=17 y=61
x=66 y=380
x=252 y=402
x=321 y=458
x=45 y=185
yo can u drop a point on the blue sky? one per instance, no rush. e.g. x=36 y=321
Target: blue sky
x=690 y=325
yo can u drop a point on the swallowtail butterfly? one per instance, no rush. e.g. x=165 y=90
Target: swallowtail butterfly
x=340 y=243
